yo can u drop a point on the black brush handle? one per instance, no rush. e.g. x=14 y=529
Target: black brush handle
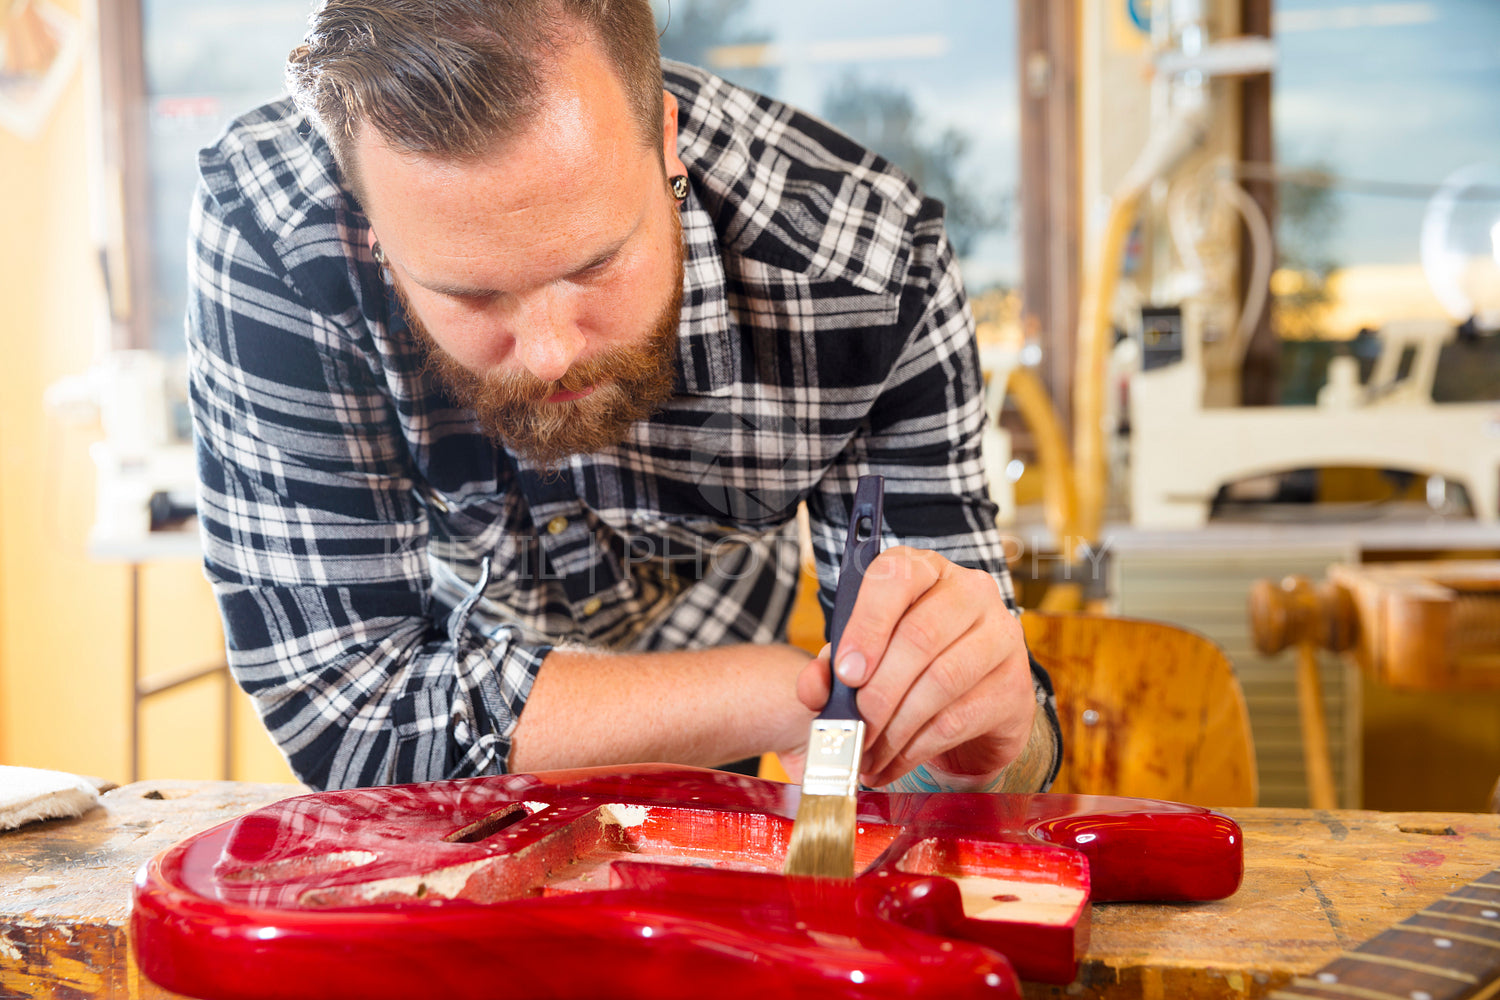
x=860 y=548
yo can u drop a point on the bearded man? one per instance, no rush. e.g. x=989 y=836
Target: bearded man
x=514 y=352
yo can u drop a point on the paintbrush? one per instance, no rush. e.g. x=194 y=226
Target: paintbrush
x=822 y=840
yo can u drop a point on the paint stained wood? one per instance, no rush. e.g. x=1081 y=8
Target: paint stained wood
x=65 y=885
x=1316 y=883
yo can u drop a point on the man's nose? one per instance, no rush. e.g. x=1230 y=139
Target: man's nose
x=548 y=340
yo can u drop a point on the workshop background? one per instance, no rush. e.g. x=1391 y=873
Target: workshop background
x=1235 y=204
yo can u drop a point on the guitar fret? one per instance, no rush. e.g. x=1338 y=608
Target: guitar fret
x=1438 y=932
x=1342 y=989
x=1401 y=963
x=1461 y=918
x=1471 y=901
x=1449 y=929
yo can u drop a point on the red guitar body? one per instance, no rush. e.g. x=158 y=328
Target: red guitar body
x=651 y=882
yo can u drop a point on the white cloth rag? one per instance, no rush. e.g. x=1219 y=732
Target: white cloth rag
x=28 y=794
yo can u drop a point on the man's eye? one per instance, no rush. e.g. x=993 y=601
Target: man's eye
x=472 y=298
x=597 y=266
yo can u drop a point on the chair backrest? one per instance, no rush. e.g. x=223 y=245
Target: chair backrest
x=1147 y=710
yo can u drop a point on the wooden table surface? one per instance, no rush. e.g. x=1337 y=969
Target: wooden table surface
x=1315 y=884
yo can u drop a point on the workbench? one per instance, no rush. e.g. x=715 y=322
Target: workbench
x=1316 y=882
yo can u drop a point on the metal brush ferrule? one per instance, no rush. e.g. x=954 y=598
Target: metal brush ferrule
x=834 y=749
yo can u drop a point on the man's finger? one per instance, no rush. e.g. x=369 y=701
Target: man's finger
x=813 y=685
x=894 y=580
x=938 y=688
x=921 y=650
x=999 y=708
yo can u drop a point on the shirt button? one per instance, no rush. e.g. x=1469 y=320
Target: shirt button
x=592 y=606
x=557 y=525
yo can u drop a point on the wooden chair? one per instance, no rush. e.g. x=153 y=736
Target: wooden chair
x=1147 y=709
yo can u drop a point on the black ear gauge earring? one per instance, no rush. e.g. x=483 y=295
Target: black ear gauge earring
x=379 y=252
x=679 y=185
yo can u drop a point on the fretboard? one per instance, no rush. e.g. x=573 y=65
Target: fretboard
x=1449 y=951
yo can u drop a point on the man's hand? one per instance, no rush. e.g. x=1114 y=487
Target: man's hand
x=941 y=668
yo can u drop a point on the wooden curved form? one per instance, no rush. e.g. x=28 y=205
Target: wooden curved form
x=652 y=882
x=1147 y=709
x=1091 y=480
x=1059 y=495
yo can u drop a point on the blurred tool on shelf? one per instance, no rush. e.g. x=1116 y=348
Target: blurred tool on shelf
x=1183 y=452
x=146 y=477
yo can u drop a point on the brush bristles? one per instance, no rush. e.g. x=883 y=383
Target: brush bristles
x=822 y=841
x=823 y=837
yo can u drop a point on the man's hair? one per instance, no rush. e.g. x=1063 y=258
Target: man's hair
x=453 y=77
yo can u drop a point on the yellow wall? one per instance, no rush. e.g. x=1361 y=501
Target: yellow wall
x=64 y=668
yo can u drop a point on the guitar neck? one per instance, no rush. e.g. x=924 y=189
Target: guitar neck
x=1449 y=951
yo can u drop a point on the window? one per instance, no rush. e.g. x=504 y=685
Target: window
x=204 y=63
x=1386 y=121
x=932 y=88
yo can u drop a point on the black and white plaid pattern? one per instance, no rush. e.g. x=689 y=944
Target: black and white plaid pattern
x=391 y=581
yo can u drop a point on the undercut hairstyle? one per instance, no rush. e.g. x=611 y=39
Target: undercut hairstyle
x=454 y=77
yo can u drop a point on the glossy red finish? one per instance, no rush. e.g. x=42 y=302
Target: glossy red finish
x=652 y=881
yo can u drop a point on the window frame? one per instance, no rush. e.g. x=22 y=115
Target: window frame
x=124 y=180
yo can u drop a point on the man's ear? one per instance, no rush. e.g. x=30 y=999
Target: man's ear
x=669 y=155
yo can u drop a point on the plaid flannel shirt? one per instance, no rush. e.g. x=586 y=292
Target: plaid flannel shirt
x=390 y=580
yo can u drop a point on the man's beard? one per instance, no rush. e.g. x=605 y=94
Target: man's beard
x=629 y=382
